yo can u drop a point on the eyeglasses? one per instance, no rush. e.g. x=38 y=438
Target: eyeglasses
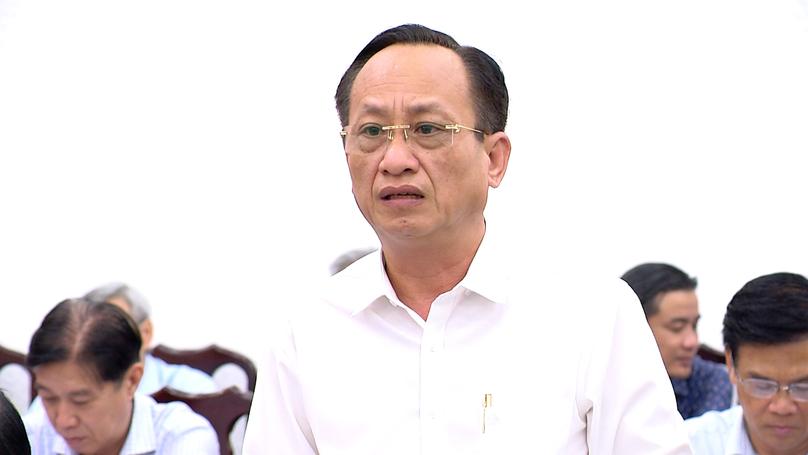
x=372 y=137
x=767 y=388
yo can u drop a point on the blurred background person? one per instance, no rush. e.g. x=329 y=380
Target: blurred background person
x=156 y=372
x=766 y=349
x=347 y=258
x=668 y=298
x=86 y=363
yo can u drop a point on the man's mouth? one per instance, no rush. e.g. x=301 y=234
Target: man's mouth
x=390 y=197
x=399 y=193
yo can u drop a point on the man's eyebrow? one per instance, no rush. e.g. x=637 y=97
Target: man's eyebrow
x=682 y=320
x=80 y=393
x=75 y=394
x=39 y=387
x=371 y=108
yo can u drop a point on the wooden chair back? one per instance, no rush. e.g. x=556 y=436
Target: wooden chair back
x=712 y=354
x=222 y=409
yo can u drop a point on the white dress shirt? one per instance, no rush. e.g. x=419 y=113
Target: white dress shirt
x=156 y=429
x=720 y=433
x=568 y=369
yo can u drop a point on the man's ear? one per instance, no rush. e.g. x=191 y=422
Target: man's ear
x=132 y=378
x=730 y=367
x=498 y=147
x=146 y=333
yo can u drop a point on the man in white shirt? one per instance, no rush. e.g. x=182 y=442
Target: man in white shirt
x=434 y=345
x=766 y=339
x=85 y=359
x=157 y=373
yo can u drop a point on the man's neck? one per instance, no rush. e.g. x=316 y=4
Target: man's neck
x=420 y=271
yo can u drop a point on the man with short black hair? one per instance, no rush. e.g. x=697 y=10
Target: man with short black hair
x=668 y=298
x=766 y=347
x=440 y=343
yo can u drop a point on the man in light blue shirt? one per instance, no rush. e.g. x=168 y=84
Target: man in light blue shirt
x=86 y=362
x=766 y=339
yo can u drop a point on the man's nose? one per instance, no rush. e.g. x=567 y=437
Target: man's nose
x=782 y=403
x=398 y=155
x=64 y=417
x=691 y=340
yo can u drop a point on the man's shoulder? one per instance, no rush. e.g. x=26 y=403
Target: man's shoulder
x=174 y=417
x=710 y=373
x=37 y=424
x=712 y=428
x=708 y=367
x=158 y=374
x=169 y=428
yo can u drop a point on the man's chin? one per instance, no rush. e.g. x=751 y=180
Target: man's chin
x=77 y=444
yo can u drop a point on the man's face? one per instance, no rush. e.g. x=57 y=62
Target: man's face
x=778 y=424
x=92 y=416
x=674 y=327
x=405 y=192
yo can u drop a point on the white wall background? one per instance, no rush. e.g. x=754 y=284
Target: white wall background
x=190 y=148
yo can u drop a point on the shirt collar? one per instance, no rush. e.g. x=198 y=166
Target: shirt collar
x=60 y=447
x=738 y=442
x=139 y=440
x=365 y=282
x=488 y=274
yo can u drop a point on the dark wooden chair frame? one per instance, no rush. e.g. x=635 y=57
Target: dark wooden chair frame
x=712 y=354
x=222 y=409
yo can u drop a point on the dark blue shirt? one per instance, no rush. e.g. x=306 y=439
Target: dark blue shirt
x=708 y=388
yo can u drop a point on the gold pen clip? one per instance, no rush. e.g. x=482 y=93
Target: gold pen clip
x=486 y=404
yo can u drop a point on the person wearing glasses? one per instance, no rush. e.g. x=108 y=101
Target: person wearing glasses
x=766 y=345
x=441 y=342
x=671 y=307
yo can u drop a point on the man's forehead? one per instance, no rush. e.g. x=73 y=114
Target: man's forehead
x=413 y=106
x=766 y=359
x=411 y=78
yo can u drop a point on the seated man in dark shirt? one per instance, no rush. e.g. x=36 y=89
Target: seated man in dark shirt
x=668 y=297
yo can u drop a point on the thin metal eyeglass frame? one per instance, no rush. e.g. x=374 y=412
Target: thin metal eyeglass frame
x=785 y=387
x=454 y=127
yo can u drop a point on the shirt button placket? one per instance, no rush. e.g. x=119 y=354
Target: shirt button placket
x=432 y=343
